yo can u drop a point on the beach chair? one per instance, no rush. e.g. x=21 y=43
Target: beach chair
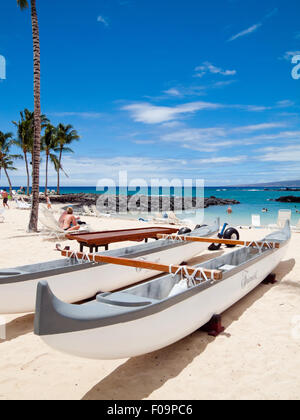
x=95 y=211
x=173 y=218
x=255 y=222
x=283 y=216
x=98 y=213
x=87 y=211
x=159 y=218
x=168 y=218
x=22 y=205
x=2 y=218
x=51 y=225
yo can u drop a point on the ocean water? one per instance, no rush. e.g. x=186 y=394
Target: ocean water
x=252 y=200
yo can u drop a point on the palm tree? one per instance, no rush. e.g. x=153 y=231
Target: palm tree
x=25 y=131
x=6 y=159
x=65 y=136
x=49 y=143
x=25 y=138
x=33 y=222
x=7 y=165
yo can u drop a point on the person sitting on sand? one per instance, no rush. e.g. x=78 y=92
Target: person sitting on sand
x=68 y=220
x=5 y=198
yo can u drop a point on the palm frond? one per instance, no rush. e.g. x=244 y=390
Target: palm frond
x=23 y=4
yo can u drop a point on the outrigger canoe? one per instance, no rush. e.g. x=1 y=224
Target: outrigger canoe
x=73 y=280
x=159 y=312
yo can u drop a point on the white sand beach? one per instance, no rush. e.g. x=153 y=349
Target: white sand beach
x=257 y=357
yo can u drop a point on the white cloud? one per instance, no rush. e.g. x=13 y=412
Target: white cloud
x=207 y=67
x=152 y=114
x=172 y=124
x=285 y=103
x=77 y=114
x=281 y=136
x=181 y=91
x=258 y=127
x=223 y=159
x=223 y=83
x=194 y=135
x=247 y=31
x=208 y=146
x=101 y=19
x=143 y=141
x=254 y=108
x=210 y=137
x=173 y=92
x=281 y=154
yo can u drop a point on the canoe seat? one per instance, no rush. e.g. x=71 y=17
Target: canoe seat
x=124 y=299
x=227 y=267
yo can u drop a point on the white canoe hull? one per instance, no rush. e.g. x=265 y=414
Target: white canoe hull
x=150 y=333
x=79 y=285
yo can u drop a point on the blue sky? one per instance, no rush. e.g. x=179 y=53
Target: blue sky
x=172 y=88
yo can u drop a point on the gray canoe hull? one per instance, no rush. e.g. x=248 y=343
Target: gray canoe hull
x=73 y=281
x=144 y=318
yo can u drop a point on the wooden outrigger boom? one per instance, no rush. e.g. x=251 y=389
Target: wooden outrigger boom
x=172 y=269
x=148 y=265
x=260 y=244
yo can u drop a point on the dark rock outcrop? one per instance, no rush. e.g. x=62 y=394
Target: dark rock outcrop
x=143 y=203
x=288 y=199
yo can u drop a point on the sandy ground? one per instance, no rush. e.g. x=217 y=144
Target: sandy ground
x=257 y=357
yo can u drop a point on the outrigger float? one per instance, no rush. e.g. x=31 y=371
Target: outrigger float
x=76 y=279
x=161 y=311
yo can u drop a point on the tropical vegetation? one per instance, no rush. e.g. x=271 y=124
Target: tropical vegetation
x=35 y=133
x=54 y=143
x=33 y=222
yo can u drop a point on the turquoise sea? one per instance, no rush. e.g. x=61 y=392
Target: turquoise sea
x=252 y=200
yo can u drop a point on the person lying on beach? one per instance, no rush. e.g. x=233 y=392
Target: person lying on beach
x=68 y=221
x=5 y=198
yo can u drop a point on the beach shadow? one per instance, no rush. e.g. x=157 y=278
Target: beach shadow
x=284 y=268
x=140 y=376
x=18 y=327
x=25 y=235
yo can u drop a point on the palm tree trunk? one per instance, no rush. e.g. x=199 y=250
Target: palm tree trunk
x=46 y=183
x=27 y=171
x=9 y=182
x=58 y=171
x=33 y=222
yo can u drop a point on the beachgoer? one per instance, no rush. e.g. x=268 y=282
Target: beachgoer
x=69 y=222
x=5 y=198
x=229 y=210
x=48 y=202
